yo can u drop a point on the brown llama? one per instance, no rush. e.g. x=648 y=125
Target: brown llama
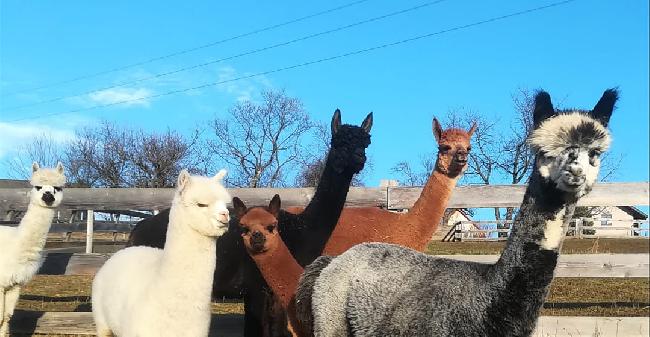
x=414 y=228
x=281 y=271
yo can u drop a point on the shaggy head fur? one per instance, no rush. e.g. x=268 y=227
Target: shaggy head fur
x=258 y=225
x=569 y=143
x=453 y=148
x=206 y=198
x=47 y=190
x=349 y=143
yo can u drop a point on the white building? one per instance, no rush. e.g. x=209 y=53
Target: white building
x=616 y=221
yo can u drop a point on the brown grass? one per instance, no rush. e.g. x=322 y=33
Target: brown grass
x=610 y=297
x=568 y=296
x=570 y=246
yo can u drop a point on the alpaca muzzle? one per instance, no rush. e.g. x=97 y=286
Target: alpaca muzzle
x=48 y=198
x=257 y=241
x=461 y=158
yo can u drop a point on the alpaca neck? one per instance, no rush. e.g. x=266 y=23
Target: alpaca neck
x=526 y=266
x=188 y=260
x=33 y=228
x=427 y=212
x=330 y=194
x=281 y=272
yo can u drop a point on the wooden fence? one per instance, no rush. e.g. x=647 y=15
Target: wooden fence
x=569 y=265
x=135 y=200
x=231 y=325
x=476 y=230
x=476 y=196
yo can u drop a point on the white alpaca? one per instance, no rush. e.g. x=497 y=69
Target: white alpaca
x=143 y=291
x=21 y=246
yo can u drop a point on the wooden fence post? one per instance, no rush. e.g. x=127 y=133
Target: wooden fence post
x=89 y=231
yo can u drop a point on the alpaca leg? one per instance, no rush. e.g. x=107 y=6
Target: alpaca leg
x=2 y=313
x=104 y=332
x=10 y=300
x=253 y=313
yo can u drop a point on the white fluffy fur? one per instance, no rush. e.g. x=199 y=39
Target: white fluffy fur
x=554 y=232
x=22 y=245
x=565 y=160
x=552 y=135
x=143 y=291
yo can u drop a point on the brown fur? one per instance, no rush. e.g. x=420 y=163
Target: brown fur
x=357 y=225
x=278 y=267
x=415 y=228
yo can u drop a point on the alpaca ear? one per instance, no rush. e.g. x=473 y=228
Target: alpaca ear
x=59 y=168
x=274 y=205
x=367 y=123
x=336 y=121
x=220 y=175
x=471 y=130
x=183 y=180
x=437 y=129
x=543 y=108
x=239 y=207
x=605 y=106
x=35 y=167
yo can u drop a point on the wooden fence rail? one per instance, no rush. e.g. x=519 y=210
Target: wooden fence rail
x=569 y=265
x=605 y=194
x=136 y=199
x=470 y=230
x=231 y=325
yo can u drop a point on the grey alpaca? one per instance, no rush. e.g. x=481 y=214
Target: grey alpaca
x=377 y=289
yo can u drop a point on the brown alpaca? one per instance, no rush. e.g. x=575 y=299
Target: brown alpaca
x=415 y=228
x=264 y=244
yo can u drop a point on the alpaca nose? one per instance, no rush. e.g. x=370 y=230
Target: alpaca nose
x=223 y=216
x=461 y=157
x=48 y=198
x=576 y=170
x=257 y=238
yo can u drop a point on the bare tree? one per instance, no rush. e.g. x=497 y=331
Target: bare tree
x=159 y=158
x=110 y=156
x=516 y=158
x=262 y=142
x=415 y=176
x=101 y=156
x=43 y=149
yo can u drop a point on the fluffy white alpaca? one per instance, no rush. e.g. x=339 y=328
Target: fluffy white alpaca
x=143 y=291
x=21 y=246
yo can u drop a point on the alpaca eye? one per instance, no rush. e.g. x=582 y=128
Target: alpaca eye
x=444 y=148
x=58 y=188
x=594 y=153
x=38 y=188
x=469 y=148
x=201 y=205
x=270 y=228
x=245 y=230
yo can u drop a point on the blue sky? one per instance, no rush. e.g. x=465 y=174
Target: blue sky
x=574 y=51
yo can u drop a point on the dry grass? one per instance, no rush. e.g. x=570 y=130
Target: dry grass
x=612 y=297
x=568 y=296
x=72 y=293
x=570 y=246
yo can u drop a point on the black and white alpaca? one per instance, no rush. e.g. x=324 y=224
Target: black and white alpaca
x=386 y=290
x=305 y=233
